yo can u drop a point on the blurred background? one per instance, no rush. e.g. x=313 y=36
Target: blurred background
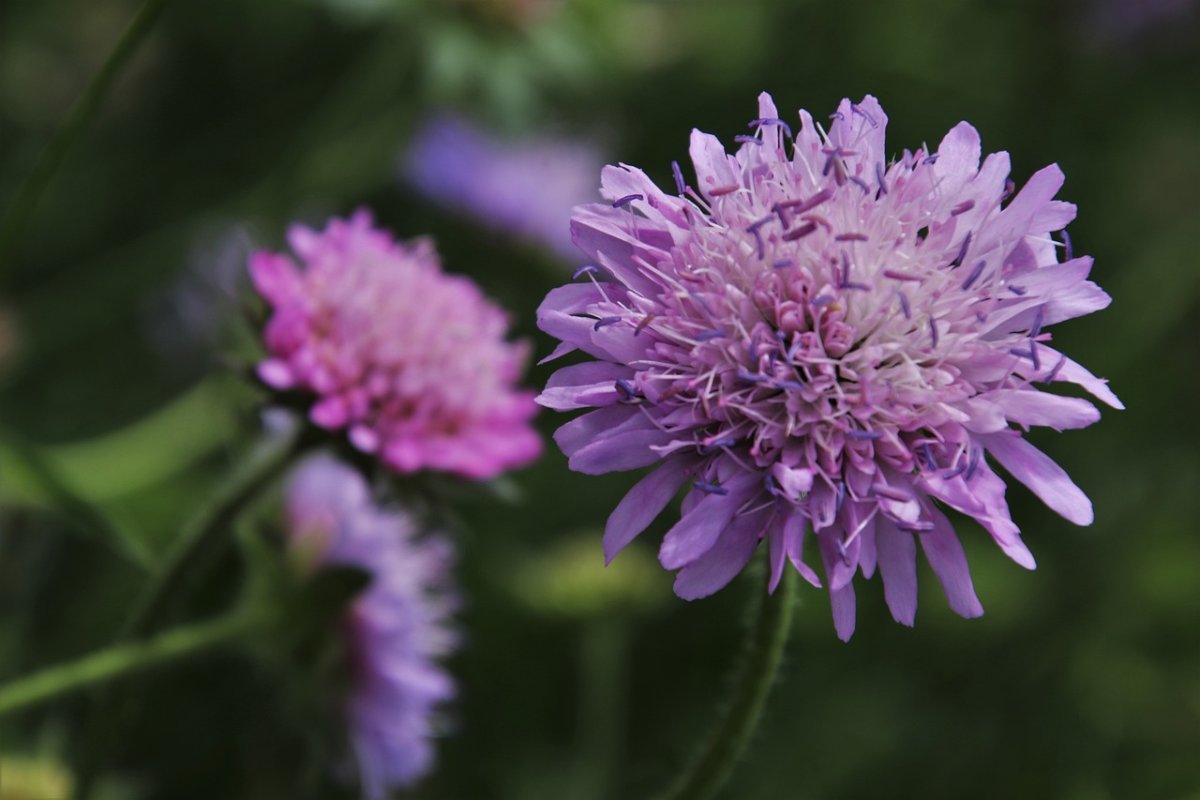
x=124 y=343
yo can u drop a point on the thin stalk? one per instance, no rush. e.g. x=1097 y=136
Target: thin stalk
x=123 y=659
x=30 y=193
x=709 y=771
x=603 y=678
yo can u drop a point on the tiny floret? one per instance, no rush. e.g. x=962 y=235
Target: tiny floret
x=410 y=362
x=395 y=632
x=836 y=339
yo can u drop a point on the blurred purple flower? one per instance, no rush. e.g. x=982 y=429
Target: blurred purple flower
x=395 y=631
x=818 y=339
x=410 y=360
x=525 y=188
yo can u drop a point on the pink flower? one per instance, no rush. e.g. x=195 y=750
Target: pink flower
x=819 y=340
x=396 y=631
x=411 y=362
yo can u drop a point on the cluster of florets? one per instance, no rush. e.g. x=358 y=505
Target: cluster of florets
x=410 y=361
x=819 y=339
x=395 y=632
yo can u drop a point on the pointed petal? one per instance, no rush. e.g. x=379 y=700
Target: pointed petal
x=698 y=530
x=842 y=604
x=716 y=568
x=641 y=505
x=1044 y=478
x=897 y=551
x=949 y=562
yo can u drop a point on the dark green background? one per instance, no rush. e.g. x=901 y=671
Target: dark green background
x=1082 y=680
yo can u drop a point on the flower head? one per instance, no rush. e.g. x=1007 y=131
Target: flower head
x=525 y=188
x=818 y=339
x=396 y=630
x=410 y=361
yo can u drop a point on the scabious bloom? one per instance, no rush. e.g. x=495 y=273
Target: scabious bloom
x=525 y=188
x=395 y=631
x=411 y=362
x=818 y=339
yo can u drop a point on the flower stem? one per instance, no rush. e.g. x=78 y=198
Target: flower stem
x=710 y=770
x=21 y=210
x=123 y=659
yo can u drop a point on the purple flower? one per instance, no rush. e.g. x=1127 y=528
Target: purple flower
x=818 y=340
x=410 y=361
x=396 y=630
x=526 y=188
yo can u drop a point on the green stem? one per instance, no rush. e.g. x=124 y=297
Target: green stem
x=123 y=659
x=199 y=544
x=22 y=208
x=603 y=667
x=710 y=770
x=204 y=537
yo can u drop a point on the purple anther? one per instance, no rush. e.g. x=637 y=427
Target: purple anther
x=897 y=275
x=721 y=191
x=584 y=270
x=973 y=462
x=975 y=273
x=841 y=501
x=626 y=200
x=800 y=206
x=1019 y=353
x=752 y=377
x=869 y=436
x=800 y=232
x=862 y=287
x=782 y=263
x=1019 y=291
x=646 y=320
x=1010 y=186
x=822 y=300
x=626 y=390
x=742 y=138
x=1033 y=355
x=851 y=237
x=758 y=223
x=933 y=332
x=678 y=173
x=1070 y=251
x=837 y=115
x=962 y=251
x=920 y=526
x=605 y=322
x=879 y=176
x=1062 y=360
x=860 y=183
x=930 y=159
x=709 y=488
x=854 y=107
x=904 y=306
x=771 y=121
x=715 y=333
x=1038 y=319
x=927 y=453
x=962 y=208
x=781 y=212
x=716 y=444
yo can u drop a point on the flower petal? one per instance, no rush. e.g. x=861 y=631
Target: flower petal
x=641 y=505
x=1044 y=478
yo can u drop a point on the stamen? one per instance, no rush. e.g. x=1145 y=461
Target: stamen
x=860 y=183
x=822 y=300
x=627 y=392
x=1019 y=291
x=962 y=251
x=709 y=488
x=800 y=232
x=851 y=237
x=604 y=322
x=800 y=206
x=933 y=331
x=678 y=173
x=1070 y=251
x=626 y=200
x=973 y=462
x=962 y=208
x=879 y=176
x=854 y=107
x=771 y=121
x=584 y=270
x=920 y=526
x=1010 y=186
x=782 y=263
x=742 y=138
x=904 y=306
x=721 y=191
x=864 y=435
x=715 y=333
x=930 y=159
x=646 y=320
x=901 y=276
x=752 y=377
x=975 y=273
